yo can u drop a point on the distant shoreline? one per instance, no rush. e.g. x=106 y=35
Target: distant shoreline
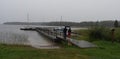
x=73 y=24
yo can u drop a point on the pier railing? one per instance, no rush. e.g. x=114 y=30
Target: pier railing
x=51 y=33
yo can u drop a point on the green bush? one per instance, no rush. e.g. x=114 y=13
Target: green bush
x=117 y=34
x=99 y=33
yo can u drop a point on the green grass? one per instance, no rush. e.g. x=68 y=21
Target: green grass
x=26 y=52
x=82 y=31
x=83 y=34
x=106 y=50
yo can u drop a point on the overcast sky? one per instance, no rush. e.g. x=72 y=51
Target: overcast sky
x=52 y=10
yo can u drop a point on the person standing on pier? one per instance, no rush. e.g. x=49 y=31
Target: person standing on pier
x=65 y=32
x=69 y=32
x=69 y=35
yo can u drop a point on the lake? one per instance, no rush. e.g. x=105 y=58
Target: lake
x=11 y=34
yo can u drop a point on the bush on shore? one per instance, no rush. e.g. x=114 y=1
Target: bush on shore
x=103 y=33
x=99 y=33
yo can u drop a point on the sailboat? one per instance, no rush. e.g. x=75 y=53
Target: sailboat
x=27 y=27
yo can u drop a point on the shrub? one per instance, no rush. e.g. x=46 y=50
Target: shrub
x=117 y=34
x=99 y=33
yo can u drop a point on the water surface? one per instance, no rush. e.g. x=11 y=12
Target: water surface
x=11 y=34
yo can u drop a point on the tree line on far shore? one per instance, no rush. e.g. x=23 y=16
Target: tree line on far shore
x=76 y=24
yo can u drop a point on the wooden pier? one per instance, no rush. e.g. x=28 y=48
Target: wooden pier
x=57 y=37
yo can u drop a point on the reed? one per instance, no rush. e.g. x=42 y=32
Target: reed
x=13 y=38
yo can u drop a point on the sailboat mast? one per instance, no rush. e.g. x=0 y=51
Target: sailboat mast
x=61 y=21
x=28 y=18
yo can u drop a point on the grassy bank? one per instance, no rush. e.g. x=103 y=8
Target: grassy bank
x=82 y=34
x=106 y=50
x=97 y=33
x=26 y=52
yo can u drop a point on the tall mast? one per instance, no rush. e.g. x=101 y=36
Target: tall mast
x=28 y=18
x=61 y=21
